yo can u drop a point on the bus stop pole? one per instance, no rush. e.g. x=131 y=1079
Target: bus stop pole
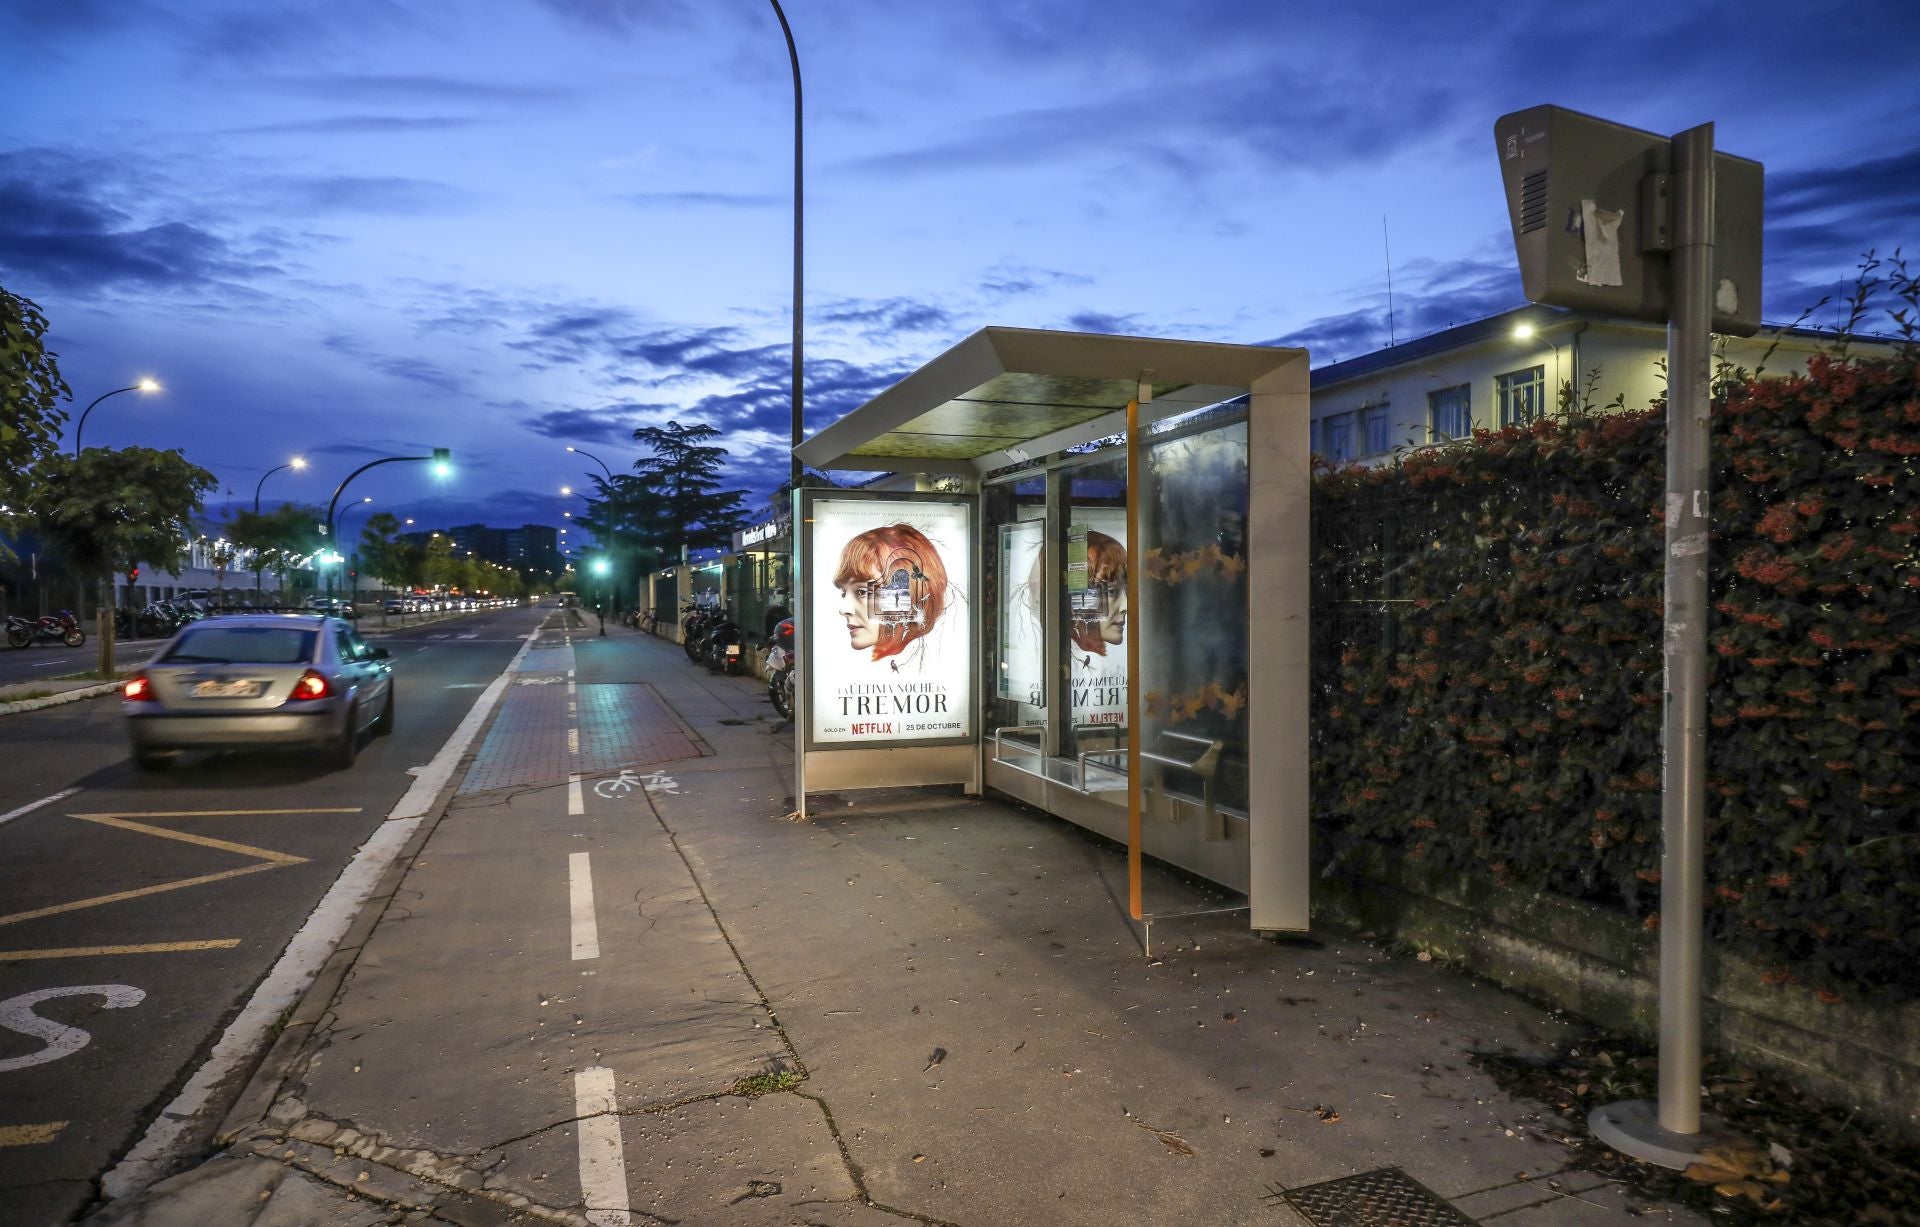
x=1134 y=518
x=1683 y=815
x=1669 y=1132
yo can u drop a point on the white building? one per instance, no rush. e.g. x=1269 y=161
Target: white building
x=1509 y=369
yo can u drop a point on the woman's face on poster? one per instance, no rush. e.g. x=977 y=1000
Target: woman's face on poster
x=1113 y=628
x=856 y=608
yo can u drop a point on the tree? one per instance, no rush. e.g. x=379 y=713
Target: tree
x=280 y=540
x=683 y=474
x=381 y=550
x=441 y=567
x=107 y=509
x=30 y=394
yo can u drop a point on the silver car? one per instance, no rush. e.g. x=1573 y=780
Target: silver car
x=258 y=682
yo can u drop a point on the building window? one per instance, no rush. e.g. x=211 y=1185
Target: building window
x=1336 y=436
x=1374 y=428
x=1450 y=412
x=1522 y=395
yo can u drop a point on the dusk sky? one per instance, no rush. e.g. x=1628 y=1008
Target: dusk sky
x=350 y=228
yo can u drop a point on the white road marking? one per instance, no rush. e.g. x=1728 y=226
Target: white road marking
x=310 y=948
x=467 y=686
x=576 y=803
x=31 y=806
x=586 y=931
x=573 y=740
x=603 y=1160
x=660 y=781
x=16 y=1014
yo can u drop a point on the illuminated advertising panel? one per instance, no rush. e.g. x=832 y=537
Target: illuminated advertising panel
x=1022 y=671
x=892 y=628
x=1096 y=574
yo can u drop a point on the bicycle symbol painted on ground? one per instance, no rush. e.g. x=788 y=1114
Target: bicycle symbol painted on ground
x=628 y=779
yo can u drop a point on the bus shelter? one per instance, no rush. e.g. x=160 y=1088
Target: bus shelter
x=1093 y=600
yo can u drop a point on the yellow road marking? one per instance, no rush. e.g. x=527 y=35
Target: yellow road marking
x=77 y=952
x=268 y=857
x=265 y=854
x=30 y=1135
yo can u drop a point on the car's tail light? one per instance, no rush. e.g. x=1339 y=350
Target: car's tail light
x=139 y=689
x=311 y=685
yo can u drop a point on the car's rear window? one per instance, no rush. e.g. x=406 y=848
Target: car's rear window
x=253 y=645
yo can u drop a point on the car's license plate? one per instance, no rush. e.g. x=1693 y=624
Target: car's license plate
x=226 y=690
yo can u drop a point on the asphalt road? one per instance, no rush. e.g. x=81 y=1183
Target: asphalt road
x=215 y=864
x=41 y=661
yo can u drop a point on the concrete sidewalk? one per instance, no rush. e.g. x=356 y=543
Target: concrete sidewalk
x=619 y=985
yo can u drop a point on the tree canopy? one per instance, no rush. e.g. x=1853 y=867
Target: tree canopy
x=30 y=394
x=108 y=509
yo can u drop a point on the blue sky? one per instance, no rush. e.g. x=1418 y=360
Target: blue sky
x=348 y=228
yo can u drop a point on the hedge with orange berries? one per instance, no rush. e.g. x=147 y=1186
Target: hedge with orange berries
x=1488 y=665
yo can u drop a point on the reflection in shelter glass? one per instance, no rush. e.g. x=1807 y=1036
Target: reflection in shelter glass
x=1194 y=588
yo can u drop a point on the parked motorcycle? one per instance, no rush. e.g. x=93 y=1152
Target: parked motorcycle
x=63 y=628
x=694 y=623
x=780 y=658
x=724 y=644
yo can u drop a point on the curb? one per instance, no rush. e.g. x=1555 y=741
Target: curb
x=55 y=700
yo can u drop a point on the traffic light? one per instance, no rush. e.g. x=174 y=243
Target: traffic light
x=133 y=576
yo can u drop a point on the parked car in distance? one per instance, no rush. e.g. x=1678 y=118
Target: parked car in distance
x=395 y=605
x=259 y=681
x=338 y=607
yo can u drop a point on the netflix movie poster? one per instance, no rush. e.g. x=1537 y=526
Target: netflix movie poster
x=1096 y=575
x=892 y=657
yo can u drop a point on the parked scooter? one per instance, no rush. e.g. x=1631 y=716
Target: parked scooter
x=694 y=622
x=64 y=628
x=724 y=644
x=780 y=660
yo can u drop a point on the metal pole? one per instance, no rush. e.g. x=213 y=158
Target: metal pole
x=1683 y=813
x=1134 y=799
x=81 y=426
x=799 y=245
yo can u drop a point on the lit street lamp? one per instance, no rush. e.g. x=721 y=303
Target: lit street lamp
x=442 y=461
x=145 y=385
x=296 y=463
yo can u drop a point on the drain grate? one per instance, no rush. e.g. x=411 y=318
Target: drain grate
x=1386 y=1198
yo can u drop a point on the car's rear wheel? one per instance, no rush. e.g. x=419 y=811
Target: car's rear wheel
x=384 y=725
x=348 y=747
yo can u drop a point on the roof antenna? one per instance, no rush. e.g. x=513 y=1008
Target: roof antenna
x=1388 y=246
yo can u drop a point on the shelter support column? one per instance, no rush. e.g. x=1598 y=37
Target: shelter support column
x=1279 y=546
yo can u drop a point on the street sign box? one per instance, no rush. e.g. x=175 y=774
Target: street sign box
x=1588 y=200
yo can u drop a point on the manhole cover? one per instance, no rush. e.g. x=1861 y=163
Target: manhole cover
x=1386 y=1198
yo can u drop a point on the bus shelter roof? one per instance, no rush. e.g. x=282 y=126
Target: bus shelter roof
x=1005 y=395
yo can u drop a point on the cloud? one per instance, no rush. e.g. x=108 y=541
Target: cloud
x=1004 y=281
x=60 y=228
x=389 y=195
x=1100 y=321
x=878 y=319
x=395 y=88
x=703 y=200
x=617 y=16
x=609 y=424
x=357 y=125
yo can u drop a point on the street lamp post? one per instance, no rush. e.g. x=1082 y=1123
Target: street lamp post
x=353 y=556
x=296 y=463
x=440 y=459
x=613 y=493
x=145 y=385
x=799 y=236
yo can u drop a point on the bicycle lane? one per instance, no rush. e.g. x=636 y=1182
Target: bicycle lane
x=546 y=982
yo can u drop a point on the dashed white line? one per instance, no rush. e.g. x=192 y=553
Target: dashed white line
x=573 y=740
x=586 y=930
x=576 y=800
x=31 y=806
x=603 y=1160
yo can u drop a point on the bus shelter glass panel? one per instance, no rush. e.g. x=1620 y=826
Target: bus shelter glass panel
x=1015 y=575
x=1092 y=572
x=1194 y=592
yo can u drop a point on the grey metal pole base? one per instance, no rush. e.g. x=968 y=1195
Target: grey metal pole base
x=1633 y=1128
